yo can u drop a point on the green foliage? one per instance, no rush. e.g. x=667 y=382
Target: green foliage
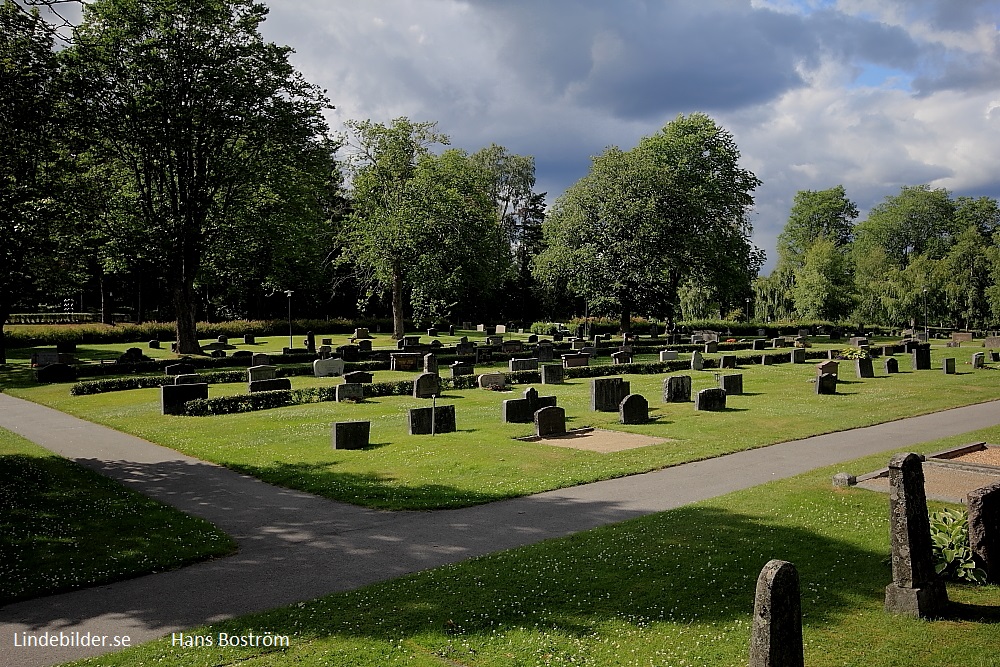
x=950 y=544
x=824 y=214
x=854 y=353
x=823 y=283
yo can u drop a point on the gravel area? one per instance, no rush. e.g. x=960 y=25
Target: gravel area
x=602 y=441
x=986 y=457
x=942 y=483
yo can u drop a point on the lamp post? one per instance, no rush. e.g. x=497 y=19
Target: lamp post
x=926 y=330
x=748 y=310
x=288 y=293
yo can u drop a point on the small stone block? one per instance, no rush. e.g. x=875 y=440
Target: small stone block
x=359 y=377
x=844 y=480
x=668 y=355
x=351 y=435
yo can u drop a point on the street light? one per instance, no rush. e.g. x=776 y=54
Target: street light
x=926 y=331
x=288 y=293
x=748 y=309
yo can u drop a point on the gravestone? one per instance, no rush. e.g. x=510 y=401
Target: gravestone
x=326 y=341
x=978 y=360
x=432 y=333
x=633 y=409
x=831 y=367
x=323 y=368
x=677 y=389
x=859 y=341
x=758 y=344
x=255 y=373
x=984 y=529
x=511 y=346
x=544 y=353
x=174 y=396
x=431 y=421
x=522 y=365
x=426 y=385
x=217 y=354
x=727 y=361
x=826 y=383
x=766 y=360
x=492 y=381
x=994 y=356
x=910 y=345
x=731 y=384
x=451 y=329
x=697 y=362
x=480 y=327
x=891 y=366
x=575 y=360
x=948 y=366
x=179 y=369
x=916 y=590
x=465 y=348
x=668 y=355
x=311 y=342
x=261 y=359
x=430 y=363
x=350 y=353
x=712 y=400
x=224 y=340
x=618 y=358
x=863 y=368
x=405 y=361
x=154 y=345
x=577 y=344
x=350 y=391
x=922 y=357
x=550 y=421
x=359 y=377
x=501 y=328
x=606 y=394
x=409 y=341
x=364 y=345
x=56 y=373
x=351 y=435
x=483 y=355
x=243 y=355
x=460 y=368
x=835 y=335
x=804 y=333
x=991 y=341
x=361 y=332
x=192 y=378
x=798 y=355
x=777 y=343
x=961 y=336
x=494 y=341
x=776 y=631
x=552 y=373
x=711 y=347
x=249 y=339
x=533 y=338
x=276 y=384
x=522 y=410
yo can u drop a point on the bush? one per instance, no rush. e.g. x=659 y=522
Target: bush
x=854 y=353
x=950 y=544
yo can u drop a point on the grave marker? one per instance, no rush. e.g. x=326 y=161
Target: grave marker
x=978 y=360
x=712 y=400
x=606 y=394
x=863 y=368
x=552 y=373
x=426 y=385
x=826 y=383
x=798 y=355
x=359 y=377
x=492 y=381
x=255 y=373
x=891 y=366
x=261 y=359
x=776 y=633
x=922 y=357
x=677 y=389
x=633 y=409
x=522 y=410
x=697 y=362
x=668 y=355
x=916 y=589
x=550 y=421
x=948 y=366
x=731 y=384
x=174 y=396
x=179 y=369
x=727 y=361
x=350 y=391
x=431 y=421
x=328 y=367
x=351 y=435
x=522 y=365
x=275 y=384
x=460 y=368
x=984 y=528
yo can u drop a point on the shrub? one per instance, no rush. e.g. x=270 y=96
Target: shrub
x=950 y=543
x=854 y=353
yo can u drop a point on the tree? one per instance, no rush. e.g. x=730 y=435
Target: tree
x=196 y=108
x=628 y=233
x=32 y=251
x=823 y=287
x=421 y=222
x=916 y=221
x=816 y=214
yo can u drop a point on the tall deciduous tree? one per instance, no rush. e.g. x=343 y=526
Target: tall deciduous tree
x=628 y=233
x=421 y=224
x=30 y=164
x=197 y=108
x=816 y=214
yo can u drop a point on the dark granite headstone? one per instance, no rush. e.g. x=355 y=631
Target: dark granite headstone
x=249 y=339
x=261 y=359
x=727 y=361
x=179 y=369
x=697 y=362
x=193 y=378
x=710 y=400
x=460 y=368
x=677 y=389
x=174 y=396
x=154 y=345
x=433 y=420
x=891 y=366
x=552 y=373
x=276 y=384
x=261 y=373
x=984 y=529
x=922 y=357
x=731 y=384
x=359 y=377
x=351 y=435
x=550 y=421
x=426 y=385
x=766 y=359
x=776 y=632
x=759 y=344
x=978 y=360
x=430 y=363
x=948 y=366
x=863 y=368
x=826 y=383
x=634 y=409
x=56 y=373
x=522 y=410
x=798 y=355
x=606 y=394
x=916 y=590
x=350 y=391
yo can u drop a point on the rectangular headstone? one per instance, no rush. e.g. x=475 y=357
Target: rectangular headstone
x=276 y=384
x=255 y=373
x=552 y=373
x=351 y=435
x=961 y=336
x=492 y=381
x=727 y=361
x=759 y=344
x=668 y=355
x=522 y=365
x=350 y=391
x=618 y=358
x=459 y=369
x=430 y=363
x=550 y=421
x=179 y=369
x=405 y=361
x=978 y=360
x=575 y=360
x=261 y=359
x=991 y=342
x=984 y=529
x=922 y=357
x=544 y=353
x=426 y=385
x=174 y=396
x=831 y=367
x=432 y=420
x=606 y=394
x=359 y=377
x=798 y=355
x=193 y=378
x=948 y=366
x=731 y=384
x=710 y=400
x=328 y=367
x=863 y=368
x=766 y=360
x=826 y=383
x=677 y=389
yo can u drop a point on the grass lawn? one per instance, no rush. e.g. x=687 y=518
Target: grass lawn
x=482 y=462
x=674 y=588
x=63 y=526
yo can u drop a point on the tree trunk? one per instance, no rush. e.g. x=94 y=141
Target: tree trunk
x=397 y=305
x=626 y=323
x=186 y=310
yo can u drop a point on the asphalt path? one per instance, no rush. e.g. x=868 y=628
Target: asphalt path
x=295 y=546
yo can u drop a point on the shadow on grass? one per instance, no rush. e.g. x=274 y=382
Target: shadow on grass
x=973 y=613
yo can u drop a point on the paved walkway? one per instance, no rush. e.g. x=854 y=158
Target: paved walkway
x=295 y=546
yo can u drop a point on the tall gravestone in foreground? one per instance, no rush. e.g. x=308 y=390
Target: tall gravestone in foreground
x=984 y=529
x=916 y=590
x=776 y=634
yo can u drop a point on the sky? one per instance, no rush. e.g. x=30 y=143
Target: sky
x=869 y=94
